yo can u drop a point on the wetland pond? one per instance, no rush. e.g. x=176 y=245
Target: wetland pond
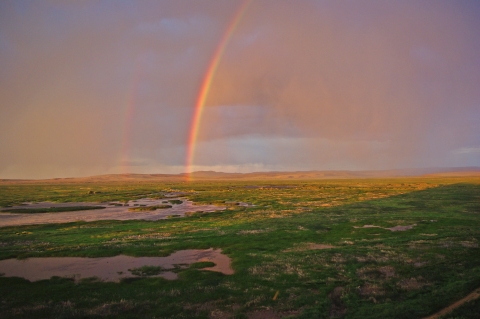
x=112 y=211
x=114 y=268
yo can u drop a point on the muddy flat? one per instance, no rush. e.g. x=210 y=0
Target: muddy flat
x=109 y=213
x=111 y=268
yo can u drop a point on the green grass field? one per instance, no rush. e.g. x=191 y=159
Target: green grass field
x=274 y=246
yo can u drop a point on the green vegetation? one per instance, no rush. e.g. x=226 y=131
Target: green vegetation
x=146 y=271
x=148 y=208
x=202 y=264
x=300 y=240
x=50 y=209
x=175 y=201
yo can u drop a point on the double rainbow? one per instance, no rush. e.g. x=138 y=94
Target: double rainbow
x=206 y=85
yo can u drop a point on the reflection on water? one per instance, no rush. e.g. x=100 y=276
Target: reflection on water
x=110 y=268
x=111 y=212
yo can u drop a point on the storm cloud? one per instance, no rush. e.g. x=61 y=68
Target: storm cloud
x=94 y=87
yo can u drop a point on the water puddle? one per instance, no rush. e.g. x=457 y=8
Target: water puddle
x=112 y=268
x=112 y=211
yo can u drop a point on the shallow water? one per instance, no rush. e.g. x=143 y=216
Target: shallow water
x=109 y=213
x=110 y=268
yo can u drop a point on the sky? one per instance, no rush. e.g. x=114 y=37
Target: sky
x=103 y=87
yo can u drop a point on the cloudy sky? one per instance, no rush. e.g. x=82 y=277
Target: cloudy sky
x=94 y=87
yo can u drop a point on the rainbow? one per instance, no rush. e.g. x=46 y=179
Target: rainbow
x=206 y=84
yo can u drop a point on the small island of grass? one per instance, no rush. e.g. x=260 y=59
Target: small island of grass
x=148 y=208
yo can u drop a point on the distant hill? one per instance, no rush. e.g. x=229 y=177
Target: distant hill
x=298 y=175
x=455 y=174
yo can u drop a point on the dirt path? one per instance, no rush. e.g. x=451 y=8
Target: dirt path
x=472 y=296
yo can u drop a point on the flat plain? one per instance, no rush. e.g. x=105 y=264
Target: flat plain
x=340 y=248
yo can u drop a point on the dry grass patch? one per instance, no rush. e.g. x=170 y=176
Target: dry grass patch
x=376 y=273
x=309 y=246
x=401 y=228
x=220 y=314
x=417 y=244
x=419 y=264
x=387 y=271
x=371 y=289
x=411 y=283
x=313 y=246
x=469 y=244
x=112 y=308
x=253 y=231
x=264 y=314
x=148 y=208
x=338 y=309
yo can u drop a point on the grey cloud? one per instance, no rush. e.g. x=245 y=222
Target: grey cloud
x=88 y=85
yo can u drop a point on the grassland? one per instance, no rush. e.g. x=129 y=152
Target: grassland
x=296 y=253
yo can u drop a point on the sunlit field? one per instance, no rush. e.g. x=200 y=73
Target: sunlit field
x=365 y=248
